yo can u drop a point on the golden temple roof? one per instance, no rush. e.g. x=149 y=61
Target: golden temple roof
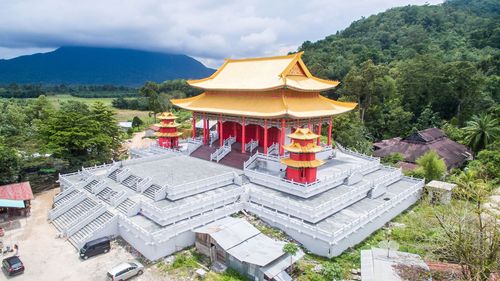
x=263 y=74
x=168 y=135
x=298 y=148
x=283 y=103
x=167 y=116
x=168 y=125
x=303 y=134
x=302 y=164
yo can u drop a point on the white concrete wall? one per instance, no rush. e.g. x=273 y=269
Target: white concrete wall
x=159 y=250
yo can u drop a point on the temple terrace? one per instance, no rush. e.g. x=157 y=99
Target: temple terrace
x=264 y=156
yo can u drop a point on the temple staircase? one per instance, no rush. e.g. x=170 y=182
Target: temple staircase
x=250 y=146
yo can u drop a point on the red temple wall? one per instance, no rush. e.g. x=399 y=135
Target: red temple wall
x=273 y=133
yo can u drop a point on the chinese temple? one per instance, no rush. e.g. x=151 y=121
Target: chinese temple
x=259 y=101
x=167 y=134
x=265 y=157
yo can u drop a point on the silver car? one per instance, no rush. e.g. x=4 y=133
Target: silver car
x=125 y=271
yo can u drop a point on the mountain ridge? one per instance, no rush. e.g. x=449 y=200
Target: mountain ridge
x=99 y=65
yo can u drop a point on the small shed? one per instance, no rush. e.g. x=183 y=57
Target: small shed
x=237 y=244
x=15 y=200
x=440 y=191
x=376 y=265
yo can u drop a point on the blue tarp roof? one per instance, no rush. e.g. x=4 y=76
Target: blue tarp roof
x=11 y=203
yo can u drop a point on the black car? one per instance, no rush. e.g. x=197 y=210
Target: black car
x=13 y=265
x=95 y=247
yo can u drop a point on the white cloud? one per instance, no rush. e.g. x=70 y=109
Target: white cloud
x=210 y=30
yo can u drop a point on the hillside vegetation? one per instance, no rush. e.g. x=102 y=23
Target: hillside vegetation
x=414 y=67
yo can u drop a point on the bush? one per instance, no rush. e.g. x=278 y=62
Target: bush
x=431 y=166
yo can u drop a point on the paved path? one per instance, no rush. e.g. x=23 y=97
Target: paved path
x=47 y=257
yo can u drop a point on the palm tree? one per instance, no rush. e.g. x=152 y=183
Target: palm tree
x=480 y=131
x=291 y=249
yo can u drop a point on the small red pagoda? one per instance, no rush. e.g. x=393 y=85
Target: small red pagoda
x=168 y=136
x=302 y=163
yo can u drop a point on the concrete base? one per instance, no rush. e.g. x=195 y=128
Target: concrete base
x=323 y=248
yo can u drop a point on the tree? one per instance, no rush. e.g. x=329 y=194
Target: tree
x=80 y=135
x=10 y=164
x=472 y=232
x=151 y=91
x=291 y=249
x=351 y=133
x=480 y=131
x=136 y=122
x=431 y=166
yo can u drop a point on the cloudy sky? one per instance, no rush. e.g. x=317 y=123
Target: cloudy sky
x=207 y=30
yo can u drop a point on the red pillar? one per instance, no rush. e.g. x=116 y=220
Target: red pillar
x=234 y=129
x=194 y=126
x=265 y=136
x=318 y=141
x=257 y=129
x=330 y=132
x=282 y=137
x=309 y=124
x=243 y=135
x=204 y=129
x=221 y=135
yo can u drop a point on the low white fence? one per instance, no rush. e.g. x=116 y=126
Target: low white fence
x=166 y=216
x=202 y=185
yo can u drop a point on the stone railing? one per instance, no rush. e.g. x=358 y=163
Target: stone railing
x=304 y=190
x=166 y=216
x=357 y=154
x=143 y=184
x=220 y=153
x=96 y=211
x=335 y=237
x=98 y=187
x=382 y=208
x=65 y=183
x=251 y=145
x=160 y=194
x=123 y=174
x=229 y=141
x=202 y=185
x=88 y=237
x=172 y=231
x=61 y=209
x=138 y=231
x=214 y=136
x=306 y=212
x=118 y=198
x=273 y=149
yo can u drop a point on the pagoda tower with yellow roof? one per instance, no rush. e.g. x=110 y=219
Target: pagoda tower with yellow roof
x=302 y=163
x=262 y=100
x=168 y=136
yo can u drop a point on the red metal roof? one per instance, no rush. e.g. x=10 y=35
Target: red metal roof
x=16 y=191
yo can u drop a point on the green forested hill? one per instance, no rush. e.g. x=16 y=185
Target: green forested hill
x=415 y=66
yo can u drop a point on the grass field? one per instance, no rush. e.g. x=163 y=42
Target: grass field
x=121 y=114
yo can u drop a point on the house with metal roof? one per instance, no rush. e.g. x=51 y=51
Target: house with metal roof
x=15 y=200
x=412 y=147
x=237 y=244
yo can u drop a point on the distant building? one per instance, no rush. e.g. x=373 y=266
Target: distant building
x=125 y=125
x=416 y=145
x=151 y=131
x=235 y=243
x=377 y=266
x=15 y=200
